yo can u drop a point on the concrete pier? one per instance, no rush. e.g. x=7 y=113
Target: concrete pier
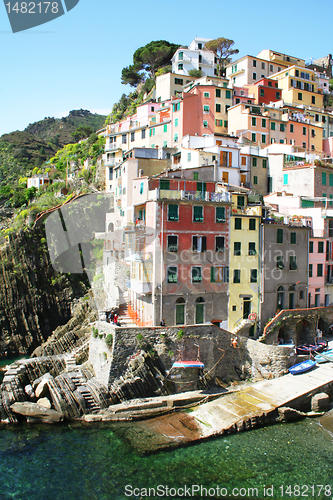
x=239 y=410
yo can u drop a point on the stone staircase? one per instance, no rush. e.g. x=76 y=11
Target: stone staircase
x=124 y=318
x=239 y=327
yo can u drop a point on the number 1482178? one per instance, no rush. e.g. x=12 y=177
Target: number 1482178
x=32 y=7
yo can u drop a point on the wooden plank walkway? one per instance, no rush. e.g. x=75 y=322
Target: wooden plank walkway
x=230 y=410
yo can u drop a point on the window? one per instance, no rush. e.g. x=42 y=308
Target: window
x=331 y=179
x=180 y=66
x=205 y=124
x=237 y=275
x=252 y=224
x=175 y=138
x=263 y=123
x=311 y=247
x=285 y=179
x=176 y=122
x=218 y=108
x=313 y=133
x=123 y=139
x=110 y=173
x=151 y=132
x=323 y=178
x=228 y=94
x=197 y=214
x=199 y=243
x=291 y=128
x=199 y=46
x=254 y=121
x=238 y=223
x=281 y=127
x=300 y=96
x=279 y=235
x=220 y=214
x=178 y=81
x=206 y=94
x=264 y=163
x=320 y=247
x=313 y=99
x=253 y=137
x=219 y=274
x=254 y=276
x=240 y=201
x=143 y=133
x=310 y=272
x=132 y=136
x=292 y=263
x=180 y=56
x=279 y=262
x=263 y=138
x=271 y=68
x=195 y=176
x=272 y=125
x=319 y=270
x=172 y=274
x=243 y=160
x=254 y=63
x=262 y=92
x=254 y=76
x=237 y=248
x=164 y=184
x=218 y=92
x=196 y=274
x=173 y=212
x=293 y=238
x=165 y=128
x=277 y=95
x=252 y=248
x=262 y=65
x=255 y=179
x=219 y=243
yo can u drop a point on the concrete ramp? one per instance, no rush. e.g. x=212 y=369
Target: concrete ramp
x=241 y=410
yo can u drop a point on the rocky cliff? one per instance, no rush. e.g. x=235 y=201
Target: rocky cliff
x=34 y=299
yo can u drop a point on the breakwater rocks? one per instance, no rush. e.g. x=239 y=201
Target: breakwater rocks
x=34 y=299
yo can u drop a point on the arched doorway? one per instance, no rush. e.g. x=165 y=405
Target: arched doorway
x=199 y=310
x=180 y=311
x=280 y=298
x=110 y=227
x=291 y=291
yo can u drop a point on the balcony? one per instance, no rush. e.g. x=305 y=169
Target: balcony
x=113 y=146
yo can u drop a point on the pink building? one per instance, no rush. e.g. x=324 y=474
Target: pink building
x=317 y=262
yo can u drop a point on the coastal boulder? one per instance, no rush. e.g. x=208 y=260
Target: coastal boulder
x=35 y=412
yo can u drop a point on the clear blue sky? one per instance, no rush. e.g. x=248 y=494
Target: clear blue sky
x=75 y=61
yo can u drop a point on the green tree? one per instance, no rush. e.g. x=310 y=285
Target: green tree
x=197 y=73
x=148 y=58
x=222 y=48
x=131 y=75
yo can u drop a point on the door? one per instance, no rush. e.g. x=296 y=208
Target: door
x=180 y=314
x=291 y=300
x=246 y=307
x=199 y=313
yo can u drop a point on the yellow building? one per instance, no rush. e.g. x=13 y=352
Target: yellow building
x=244 y=276
x=299 y=86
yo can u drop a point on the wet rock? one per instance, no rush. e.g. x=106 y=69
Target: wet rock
x=29 y=391
x=42 y=388
x=320 y=402
x=92 y=418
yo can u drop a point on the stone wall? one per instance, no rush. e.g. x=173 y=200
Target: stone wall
x=100 y=355
x=223 y=363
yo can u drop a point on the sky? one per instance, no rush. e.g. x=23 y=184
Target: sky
x=75 y=61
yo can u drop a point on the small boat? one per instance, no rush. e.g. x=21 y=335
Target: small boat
x=303 y=367
x=188 y=364
x=324 y=356
x=309 y=348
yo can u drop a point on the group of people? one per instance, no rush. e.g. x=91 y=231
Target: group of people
x=113 y=317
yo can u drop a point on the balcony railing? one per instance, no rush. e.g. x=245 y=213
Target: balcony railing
x=112 y=146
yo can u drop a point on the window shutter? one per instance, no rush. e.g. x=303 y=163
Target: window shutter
x=230 y=159
x=212 y=274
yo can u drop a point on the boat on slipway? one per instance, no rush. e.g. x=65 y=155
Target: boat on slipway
x=302 y=367
x=324 y=356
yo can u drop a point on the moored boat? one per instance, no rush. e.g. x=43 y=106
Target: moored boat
x=324 y=356
x=309 y=348
x=302 y=367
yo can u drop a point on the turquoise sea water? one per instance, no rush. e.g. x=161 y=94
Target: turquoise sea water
x=88 y=463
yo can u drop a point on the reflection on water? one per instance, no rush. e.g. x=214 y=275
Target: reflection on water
x=66 y=463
